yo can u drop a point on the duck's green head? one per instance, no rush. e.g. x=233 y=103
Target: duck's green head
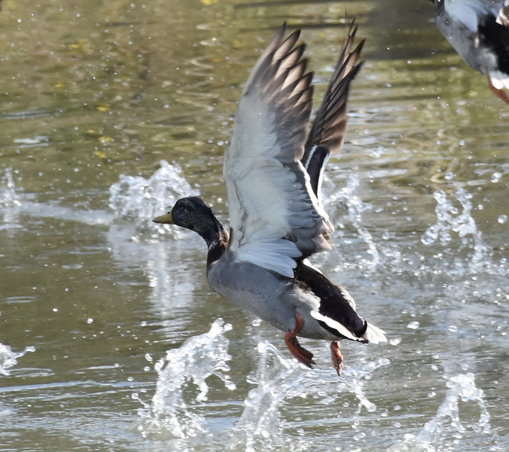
x=192 y=213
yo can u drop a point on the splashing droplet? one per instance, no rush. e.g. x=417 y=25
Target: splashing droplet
x=8 y=358
x=195 y=361
x=502 y=219
x=495 y=177
x=140 y=199
x=413 y=325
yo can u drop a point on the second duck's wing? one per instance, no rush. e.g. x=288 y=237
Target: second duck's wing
x=329 y=128
x=274 y=214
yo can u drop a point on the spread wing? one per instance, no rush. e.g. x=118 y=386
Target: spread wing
x=275 y=216
x=329 y=128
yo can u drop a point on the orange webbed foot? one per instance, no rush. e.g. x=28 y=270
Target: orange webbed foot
x=500 y=93
x=300 y=353
x=337 y=357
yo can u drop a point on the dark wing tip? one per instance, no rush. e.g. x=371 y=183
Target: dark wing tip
x=330 y=124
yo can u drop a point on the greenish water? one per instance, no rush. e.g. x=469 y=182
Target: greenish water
x=95 y=94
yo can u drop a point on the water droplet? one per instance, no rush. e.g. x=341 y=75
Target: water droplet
x=449 y=176
x=495 y=177
x=502 y=219
x=90 y=320
x=413 y=325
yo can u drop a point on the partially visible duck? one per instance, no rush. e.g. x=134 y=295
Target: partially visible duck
x=479 y=31
x=273 y=177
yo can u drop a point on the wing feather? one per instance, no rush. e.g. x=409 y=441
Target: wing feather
x=329 y=128
x=274 y=214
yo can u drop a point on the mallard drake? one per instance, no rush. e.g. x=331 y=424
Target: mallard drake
x=479 y=31
x=273 y=181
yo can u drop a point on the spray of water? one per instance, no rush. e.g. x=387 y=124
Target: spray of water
x=447 y=424
x=138 y=199
x=451 y=219
x=9 y=359
x=173 y=413
x=8 y=194
x=278 y=380
x=178 y=415
x=356 y=207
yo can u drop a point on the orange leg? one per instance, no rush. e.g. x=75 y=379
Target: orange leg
x=301 y=354
x=500 y=93
x=337 y=357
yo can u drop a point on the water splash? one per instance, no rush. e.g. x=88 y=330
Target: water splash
x=178 y=415
x=138 y=199
x=450 y=219
x=9 y=201
x=14 y=203
x=278 y=380
x=356 y=207
x=8 y=194
x=196 y=360
x=446 y=422
x=8 y=358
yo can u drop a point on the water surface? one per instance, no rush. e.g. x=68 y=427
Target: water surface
x=110 y=337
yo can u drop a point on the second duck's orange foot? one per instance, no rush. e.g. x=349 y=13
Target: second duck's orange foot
x=337 y=357
x=300 y=353
x=500 y=93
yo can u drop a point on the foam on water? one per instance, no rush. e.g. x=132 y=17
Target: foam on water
x=9 y=359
